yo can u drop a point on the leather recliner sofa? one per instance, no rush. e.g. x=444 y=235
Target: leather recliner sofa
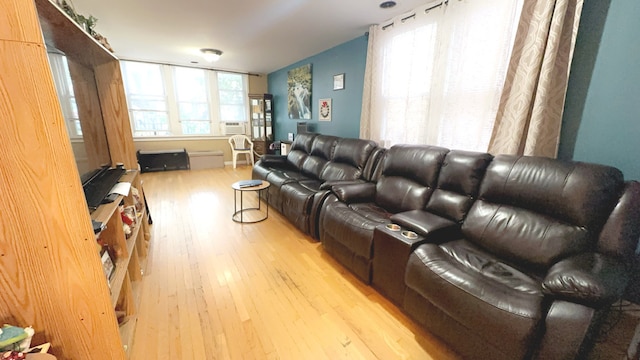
x=301 y=180
x=513 y=256
x=408 y=178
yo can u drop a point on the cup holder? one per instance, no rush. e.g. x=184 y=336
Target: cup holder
x=409 y=234
x=393 y=227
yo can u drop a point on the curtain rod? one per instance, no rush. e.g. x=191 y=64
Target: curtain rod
x=445 y=2
x=194 y=67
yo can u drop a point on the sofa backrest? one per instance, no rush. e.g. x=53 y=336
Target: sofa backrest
x=535 y=211
x=409 y=175
x=620 y=234
x=373 y=167
x=458 y=184
x=349 y=159
x=300 y=150
x=321 y=152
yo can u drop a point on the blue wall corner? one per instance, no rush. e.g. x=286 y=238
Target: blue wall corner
x=349 y=59
x=601 y=123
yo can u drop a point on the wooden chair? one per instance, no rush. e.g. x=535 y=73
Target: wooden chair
x=241 y=144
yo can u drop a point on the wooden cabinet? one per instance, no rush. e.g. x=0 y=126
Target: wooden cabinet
x=261 y=117
x=51 y=275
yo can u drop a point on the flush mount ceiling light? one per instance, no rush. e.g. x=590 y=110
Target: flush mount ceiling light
x=211 y=55
x=387 y=4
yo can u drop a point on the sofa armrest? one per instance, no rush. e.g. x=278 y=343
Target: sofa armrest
x=327 y=185
x=355 y=193
x=591 y=279
x=434 y=228
x=271 y=160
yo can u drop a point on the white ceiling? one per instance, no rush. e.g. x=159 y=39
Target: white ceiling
x=258 y=36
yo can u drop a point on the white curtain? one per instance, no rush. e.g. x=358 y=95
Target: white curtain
x=435 y=75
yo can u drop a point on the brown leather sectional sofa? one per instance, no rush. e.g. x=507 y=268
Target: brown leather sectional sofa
x=301 y=181
x=502 y=257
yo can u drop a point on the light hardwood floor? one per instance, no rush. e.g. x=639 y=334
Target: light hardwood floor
x=215 y=289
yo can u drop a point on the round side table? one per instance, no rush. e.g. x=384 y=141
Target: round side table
x=240 y=187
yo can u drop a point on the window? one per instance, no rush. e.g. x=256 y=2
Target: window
x=64 y=87
x=232 y=97
x=147 y=99
x=439 y=72
x=175 y=101
x=193 y=101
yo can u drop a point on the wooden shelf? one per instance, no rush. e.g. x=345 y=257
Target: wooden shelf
x=63 y=33
x=127 y=331
x=61 y=290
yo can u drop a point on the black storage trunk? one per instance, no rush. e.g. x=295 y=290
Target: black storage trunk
x=163 y=160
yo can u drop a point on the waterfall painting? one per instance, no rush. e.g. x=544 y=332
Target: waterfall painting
x=299 y=81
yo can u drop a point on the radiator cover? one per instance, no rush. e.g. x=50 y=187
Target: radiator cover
x=163 y=160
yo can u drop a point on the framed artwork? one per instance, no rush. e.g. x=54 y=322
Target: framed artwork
x=338 y=82
x=299 y=95
x=108 y=265
x=325 y=110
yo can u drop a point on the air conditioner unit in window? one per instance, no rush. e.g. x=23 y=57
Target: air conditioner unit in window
x=233 y=128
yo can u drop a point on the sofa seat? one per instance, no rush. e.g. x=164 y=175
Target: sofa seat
x=479 y=291
x=279 y=178
x=298 y=201
x=340 y=221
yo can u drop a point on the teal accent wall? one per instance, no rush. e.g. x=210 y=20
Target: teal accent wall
x=348 y=58
x=601 y=122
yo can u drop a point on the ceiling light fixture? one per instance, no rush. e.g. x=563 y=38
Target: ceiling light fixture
x=211 y=55
x=387 y=4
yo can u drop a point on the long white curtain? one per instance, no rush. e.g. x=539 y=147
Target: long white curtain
x=435 y=75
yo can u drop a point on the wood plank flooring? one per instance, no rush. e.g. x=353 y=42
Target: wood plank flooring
x=216 y=289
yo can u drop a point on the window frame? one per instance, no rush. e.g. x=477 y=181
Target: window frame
x=169 y=80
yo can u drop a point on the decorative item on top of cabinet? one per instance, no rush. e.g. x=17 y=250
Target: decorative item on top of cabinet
x=261 y=112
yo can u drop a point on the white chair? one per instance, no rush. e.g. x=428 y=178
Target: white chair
x=241 y=144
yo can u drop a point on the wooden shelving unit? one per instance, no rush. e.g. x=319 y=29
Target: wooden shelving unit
x=51 y=275
x=261 y=117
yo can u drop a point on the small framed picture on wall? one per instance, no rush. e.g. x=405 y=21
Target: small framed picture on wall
x=325 y=110
x=338 y=82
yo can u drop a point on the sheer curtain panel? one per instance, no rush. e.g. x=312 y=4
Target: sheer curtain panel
x=435 y=75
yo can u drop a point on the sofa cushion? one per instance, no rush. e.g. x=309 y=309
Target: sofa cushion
x=458 y=184
x=352 y=229
x=523 y=236
x=354 y=152
x=349 y=160
x=296 y=204
x=536 y=211
x=479 y=291
x=303 y=143
x=300 y=150
x=321 y=153
x=577 y=193
x=409 y=175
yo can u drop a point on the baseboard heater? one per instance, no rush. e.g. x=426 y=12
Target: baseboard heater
x=162 y=160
